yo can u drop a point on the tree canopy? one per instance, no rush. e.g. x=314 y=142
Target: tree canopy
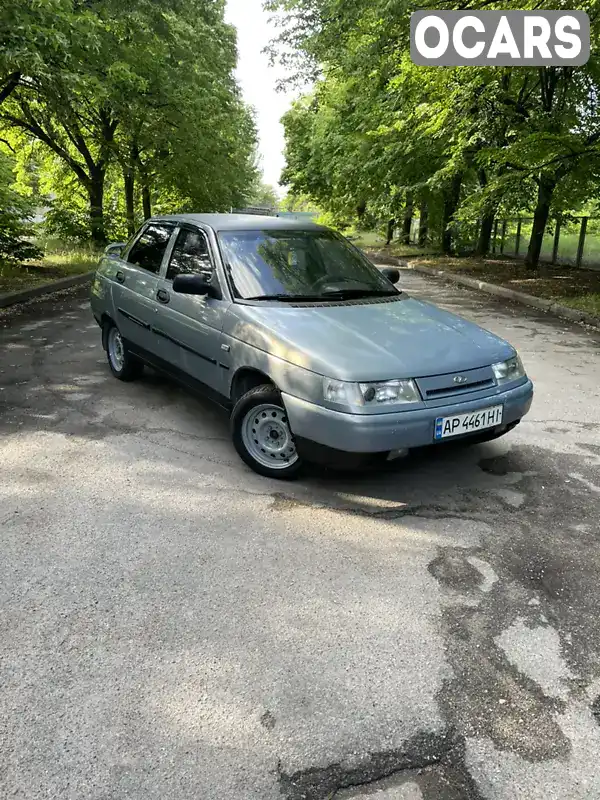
x=134 y=104
x=264 y=195
x=378 y=135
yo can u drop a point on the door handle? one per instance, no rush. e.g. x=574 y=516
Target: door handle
x=120 y=276
x=163 y=296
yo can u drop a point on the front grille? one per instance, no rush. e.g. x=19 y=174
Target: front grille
x=472 y=380
x=465 y=387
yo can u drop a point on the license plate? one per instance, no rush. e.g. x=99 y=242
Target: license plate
x=468 y=423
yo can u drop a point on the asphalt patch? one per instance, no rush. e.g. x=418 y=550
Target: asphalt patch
x=595 y=709
x=435 y=761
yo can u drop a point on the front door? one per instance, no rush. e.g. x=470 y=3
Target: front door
x=193 y=324
x=136 y=284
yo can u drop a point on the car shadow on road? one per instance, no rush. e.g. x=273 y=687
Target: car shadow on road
x=88 y=402
x=441 y=478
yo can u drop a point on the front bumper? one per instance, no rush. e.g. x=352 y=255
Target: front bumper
x=379 y=433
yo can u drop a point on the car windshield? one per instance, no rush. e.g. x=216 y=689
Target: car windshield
x=289 y=264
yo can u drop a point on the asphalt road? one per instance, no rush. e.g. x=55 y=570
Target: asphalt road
x=175 y=627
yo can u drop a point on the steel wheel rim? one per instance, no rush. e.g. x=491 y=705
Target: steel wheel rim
x=116 y=351
x=267 y=437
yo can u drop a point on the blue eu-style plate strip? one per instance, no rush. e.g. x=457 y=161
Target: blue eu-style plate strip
x=438 y=427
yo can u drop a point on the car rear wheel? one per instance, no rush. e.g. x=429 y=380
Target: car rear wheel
x=261 y=434
x=122 y=363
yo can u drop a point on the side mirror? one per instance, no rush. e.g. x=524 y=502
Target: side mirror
x=114 y=250
x=392 y=274
x=195 y=284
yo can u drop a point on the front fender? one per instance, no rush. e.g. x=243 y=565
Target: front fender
x=289 y=378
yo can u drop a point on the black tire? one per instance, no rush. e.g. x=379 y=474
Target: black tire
x=130 y=368
x=265 y=395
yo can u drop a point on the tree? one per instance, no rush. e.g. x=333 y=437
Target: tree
x=377 y=130
x=299 y=202
x=33 y=35
x=15 y=211
x=264 y=195
x=153 y=91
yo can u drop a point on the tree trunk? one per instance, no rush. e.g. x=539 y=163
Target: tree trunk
x=96 y=196
x=485 y=233
x=361 y=210
x=546 y=189
x=129 y=183
x=487 y=220
x=390 y=230
x=423 y=224
x=407 y=220
x=10 y=84
x=146 y=200
x=451 y=201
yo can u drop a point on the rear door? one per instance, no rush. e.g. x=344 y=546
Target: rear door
x=137 y=282
x=192 y=325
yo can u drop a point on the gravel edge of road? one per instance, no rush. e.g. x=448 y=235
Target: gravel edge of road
x=23 y=295
x=565 y=312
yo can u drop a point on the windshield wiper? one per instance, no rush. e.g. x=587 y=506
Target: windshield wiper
x=286 y=297
x=328 y=295
x=359 y=293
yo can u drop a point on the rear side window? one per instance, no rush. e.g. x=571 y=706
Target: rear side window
x=149 y=249
x=190 y=255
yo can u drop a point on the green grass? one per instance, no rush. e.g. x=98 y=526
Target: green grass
x=59 y=261
x=588 y=302
x=568 y=244
x=57 y=254
x=371 y=240
x=368 y=239
x=71 y=261
x=410 y=250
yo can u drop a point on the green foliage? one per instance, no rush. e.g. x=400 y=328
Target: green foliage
x=263 y=194
x=299 y=202
x=122 y=109
x=379 y=134
x=34 y=35
x=68 y=224
x=331 y=220
x=15 y=211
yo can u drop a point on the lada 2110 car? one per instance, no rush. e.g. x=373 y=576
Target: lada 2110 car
x=315 y=350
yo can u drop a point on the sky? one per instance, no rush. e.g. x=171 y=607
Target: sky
x=258 y=81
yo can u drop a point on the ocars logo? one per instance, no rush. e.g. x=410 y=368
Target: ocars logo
x=500 y=38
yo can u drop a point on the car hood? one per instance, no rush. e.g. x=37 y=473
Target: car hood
x=407 y=338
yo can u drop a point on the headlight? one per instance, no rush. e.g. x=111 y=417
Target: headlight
x=389 y=392
x=507 y=371
x=370 y=394
x=341 y=392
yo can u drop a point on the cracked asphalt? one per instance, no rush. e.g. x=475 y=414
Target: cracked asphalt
x=175 y=626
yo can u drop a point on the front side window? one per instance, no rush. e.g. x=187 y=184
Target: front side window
x=190 y=255
x=149 y=250
x=290 y=264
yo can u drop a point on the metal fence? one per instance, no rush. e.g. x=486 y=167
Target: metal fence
x=573 y=242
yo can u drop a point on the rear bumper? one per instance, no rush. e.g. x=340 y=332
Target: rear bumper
x=378 y=433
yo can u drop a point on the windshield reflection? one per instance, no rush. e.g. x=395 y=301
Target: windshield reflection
x=298 y=264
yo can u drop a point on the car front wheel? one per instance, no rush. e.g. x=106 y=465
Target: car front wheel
x=261 y=434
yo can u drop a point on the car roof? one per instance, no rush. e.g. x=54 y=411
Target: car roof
x=242 y=222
